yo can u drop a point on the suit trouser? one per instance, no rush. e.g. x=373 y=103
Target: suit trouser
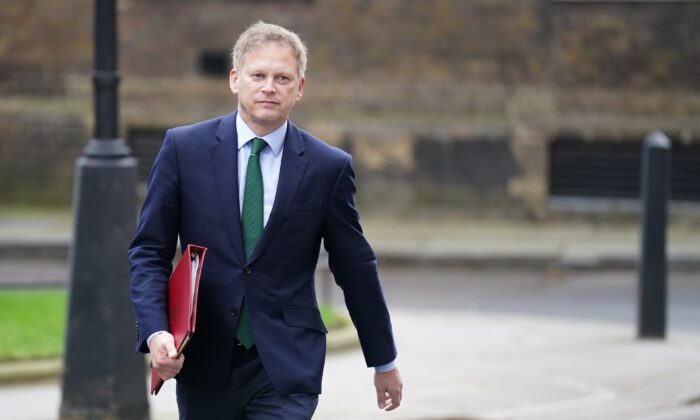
x=247 y=394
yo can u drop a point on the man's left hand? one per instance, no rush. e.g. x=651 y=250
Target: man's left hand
x=389 y=387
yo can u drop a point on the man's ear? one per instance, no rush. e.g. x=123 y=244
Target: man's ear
x=233 y=81
x=300 y=92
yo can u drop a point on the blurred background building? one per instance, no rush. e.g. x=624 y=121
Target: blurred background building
x=510 y=108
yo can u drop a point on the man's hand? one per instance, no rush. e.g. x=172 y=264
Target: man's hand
x=389 y=387
x=163 y=354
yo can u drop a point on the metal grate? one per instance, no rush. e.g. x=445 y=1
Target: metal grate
x=685 y=172
x=214 y=63
x=603 y=169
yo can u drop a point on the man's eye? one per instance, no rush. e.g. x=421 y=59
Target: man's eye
x=257 y=76
x=283 y=78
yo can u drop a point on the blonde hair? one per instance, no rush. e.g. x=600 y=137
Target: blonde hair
x=260 y=33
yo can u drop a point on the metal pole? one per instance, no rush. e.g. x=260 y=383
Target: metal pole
x=105 y=77
x=103 y=378
x=653 y=267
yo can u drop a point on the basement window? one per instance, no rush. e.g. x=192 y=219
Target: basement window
x=605 y=175
x=214 y=63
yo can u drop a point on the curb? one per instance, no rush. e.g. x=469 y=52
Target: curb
x=526 y=260
x=30 y=371
x=49 y=249
x=27 y=371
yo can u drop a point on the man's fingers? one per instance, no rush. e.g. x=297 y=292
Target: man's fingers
x=381 y=398
x=163 y=344
x=164 y=375
x=170 y=349
x=167 y=361
x=168 y=367
x=179 y=361
x=389 y=389
x=391 y=400
x=164 y=356
x=395 y=395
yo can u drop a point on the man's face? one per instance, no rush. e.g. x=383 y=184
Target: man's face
x=267 y=86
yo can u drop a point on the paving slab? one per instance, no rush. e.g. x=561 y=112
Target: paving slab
x=490 y=366
x=474 y=365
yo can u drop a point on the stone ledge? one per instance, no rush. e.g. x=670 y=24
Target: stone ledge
x=25 y=371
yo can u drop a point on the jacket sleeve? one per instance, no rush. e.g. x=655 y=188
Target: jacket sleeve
x=152 y=250
x=354 y=266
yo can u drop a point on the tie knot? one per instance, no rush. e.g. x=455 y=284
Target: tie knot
x=258 y=145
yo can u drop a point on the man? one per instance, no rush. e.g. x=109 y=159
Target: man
x=261 y=195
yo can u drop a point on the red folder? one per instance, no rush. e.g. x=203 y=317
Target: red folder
x=183 y=287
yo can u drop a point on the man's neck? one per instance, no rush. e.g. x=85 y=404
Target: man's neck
x=258 y=129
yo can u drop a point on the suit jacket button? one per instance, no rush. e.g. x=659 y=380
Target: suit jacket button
x=234 y=312
x=247 y=270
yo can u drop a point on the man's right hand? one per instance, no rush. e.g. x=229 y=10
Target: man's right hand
x=163 y=352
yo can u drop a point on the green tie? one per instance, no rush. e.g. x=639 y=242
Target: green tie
x=252 y=223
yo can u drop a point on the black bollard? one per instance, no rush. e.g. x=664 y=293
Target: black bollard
x=103 y=378
x=651 y=322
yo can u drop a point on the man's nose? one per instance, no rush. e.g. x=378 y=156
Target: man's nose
x=269 y=85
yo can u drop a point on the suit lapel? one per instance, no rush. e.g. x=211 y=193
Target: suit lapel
x=224 y=155
x=292 y=171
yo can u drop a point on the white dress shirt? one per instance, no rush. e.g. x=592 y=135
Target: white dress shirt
x=270 y=162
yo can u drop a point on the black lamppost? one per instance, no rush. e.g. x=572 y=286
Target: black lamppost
x=102 y=376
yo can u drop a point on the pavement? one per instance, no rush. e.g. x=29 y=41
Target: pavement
x=551 y=351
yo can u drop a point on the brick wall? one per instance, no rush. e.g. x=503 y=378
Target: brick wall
x=37 y=156
x=483 y=85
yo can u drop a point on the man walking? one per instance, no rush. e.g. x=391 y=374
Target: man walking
x=261 y=195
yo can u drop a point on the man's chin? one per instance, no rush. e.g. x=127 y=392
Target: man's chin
x=268 y=120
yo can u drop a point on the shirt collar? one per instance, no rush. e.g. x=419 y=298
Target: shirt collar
x=275 y=139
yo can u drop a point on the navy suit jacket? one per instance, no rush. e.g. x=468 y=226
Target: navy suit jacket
x=193 y=194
